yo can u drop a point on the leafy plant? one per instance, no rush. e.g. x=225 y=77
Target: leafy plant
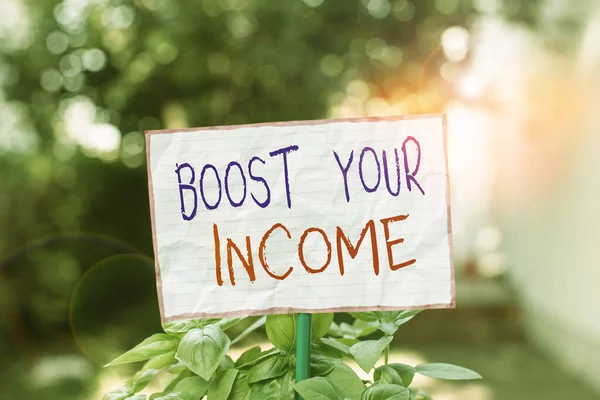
x=194 y=354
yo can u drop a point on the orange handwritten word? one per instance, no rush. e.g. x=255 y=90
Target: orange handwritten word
x=342 y=244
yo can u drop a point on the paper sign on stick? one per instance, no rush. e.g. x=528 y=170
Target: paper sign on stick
x=315 y=216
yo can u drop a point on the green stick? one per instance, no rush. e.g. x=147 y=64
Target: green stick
x=303 y=349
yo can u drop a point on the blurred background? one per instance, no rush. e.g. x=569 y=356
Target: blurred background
x=80 y=80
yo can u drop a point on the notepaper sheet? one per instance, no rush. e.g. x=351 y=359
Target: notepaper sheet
x=315 y=216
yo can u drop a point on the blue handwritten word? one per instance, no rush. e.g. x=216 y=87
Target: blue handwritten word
x=234 y=168
x=368 y=156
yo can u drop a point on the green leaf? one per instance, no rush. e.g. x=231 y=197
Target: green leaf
x=193 y=385
x=344 y=377
x=386 y=321
x=240 y=388
x=266 y=390
x=160 y=362
x=365 y=316
x=356 y=330
x=227 y=323
x=177 y=367
x=318 y=388
x=281 y=330
x=348 y=341
x=201 y=323
x=226 y=363
x=418 y=395
x=362 y=328
x=270 y=368
x=287 y=382
x=175 y=396
x=255 y=325
x=323 y=349
x=140 y=380
x=178 y=327
x=203 y=349
x=153 y=346
x=186 y=373
x=320 y=365
x=336 y=344
x=336 y=330
x=388 y=375
x=261 y=357
x=406 y=373
x=248 y=355
x=221 y=386
x=386 y=392
x=320 y=325
x=389 y=328
x=387 y=315
x=120 y=394
x=367 y=353
x=405 y=316
x=136 y=397
x=447 y=371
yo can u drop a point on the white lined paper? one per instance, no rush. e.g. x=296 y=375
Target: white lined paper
x=185 y=250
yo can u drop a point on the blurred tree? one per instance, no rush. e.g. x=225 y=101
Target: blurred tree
x=80 y=80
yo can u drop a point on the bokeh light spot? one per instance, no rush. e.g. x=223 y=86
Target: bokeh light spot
x=488 y=238
x=455 y=42
x=94 y=60
x=378 y=107
x=175 y=115
x=148 y=123
x=51 y=80
x=212 y=8
x=70 y=65
x=470 y=87
x=376 y=48
x=166 y=53
x=240 y=26
x=106 y=138
x=74 y=83
x=236 y=5
x=404 y=10
x=57 y=42
x=154 y=5
x=15 y=24
x=97 y=139
x=332 y=65
x=141 y=68
x=358 y=89
x=313 y=3
x=392 y=56
x=487 y=6
x=133 y=143
x=378 y=8
x=118 y=18
x=446 y=7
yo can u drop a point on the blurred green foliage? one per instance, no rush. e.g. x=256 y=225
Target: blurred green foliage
x=80 y=82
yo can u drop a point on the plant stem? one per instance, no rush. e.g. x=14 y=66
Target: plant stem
x=386 y=354
x=303 y=349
